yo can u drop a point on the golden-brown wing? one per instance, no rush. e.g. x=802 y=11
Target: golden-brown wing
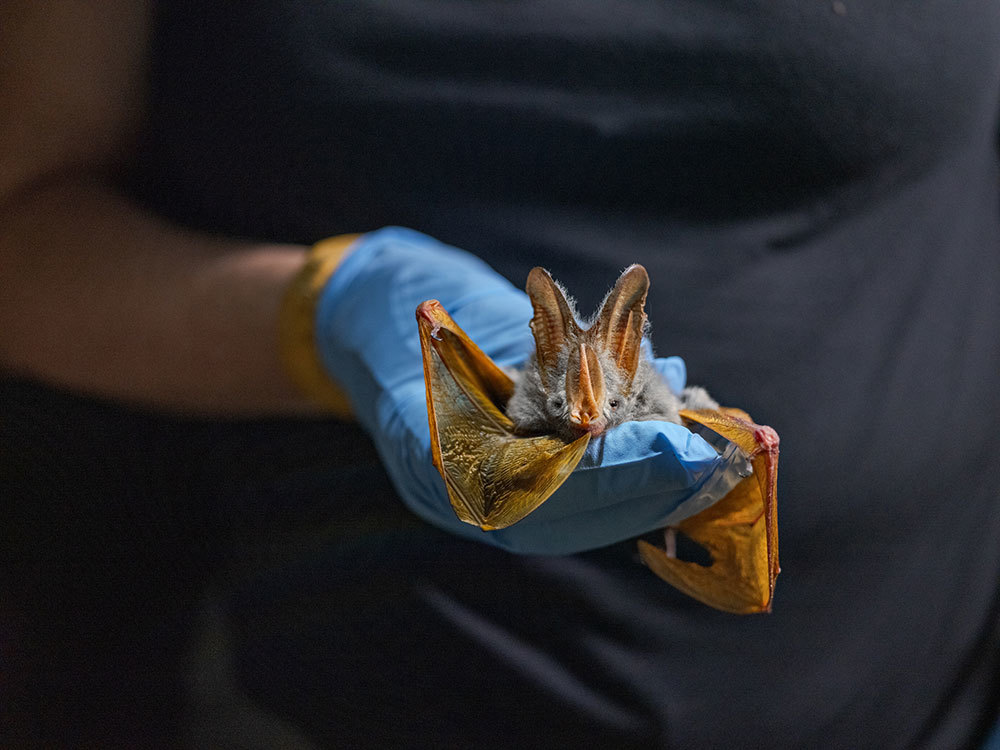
x=740 y=531
x=494 y=477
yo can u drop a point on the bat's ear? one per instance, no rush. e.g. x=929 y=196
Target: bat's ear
x=554 y=322
x=619 y=326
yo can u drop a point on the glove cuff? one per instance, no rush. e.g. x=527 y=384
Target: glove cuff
x=297 y=326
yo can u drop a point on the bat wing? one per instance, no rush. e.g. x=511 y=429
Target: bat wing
x=494 y=476
x=739 y=532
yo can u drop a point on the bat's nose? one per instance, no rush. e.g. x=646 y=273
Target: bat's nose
x=584 y=419
x=586 y=416
x=585 y=389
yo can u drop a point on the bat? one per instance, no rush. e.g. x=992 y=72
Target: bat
x=504 y=444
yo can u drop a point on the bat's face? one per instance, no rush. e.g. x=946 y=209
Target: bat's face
x=598 y=394
x=585 y=376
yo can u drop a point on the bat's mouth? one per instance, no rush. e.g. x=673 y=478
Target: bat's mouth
x=590 y=428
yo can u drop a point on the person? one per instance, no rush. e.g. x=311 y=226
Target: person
x=814 y=191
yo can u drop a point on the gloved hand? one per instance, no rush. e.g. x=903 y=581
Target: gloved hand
x=628 y=483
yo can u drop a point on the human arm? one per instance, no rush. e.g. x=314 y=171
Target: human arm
x=98 y=294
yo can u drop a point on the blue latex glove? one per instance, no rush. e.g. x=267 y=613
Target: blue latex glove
x=627 y=483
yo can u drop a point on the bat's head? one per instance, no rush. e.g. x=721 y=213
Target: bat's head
x=587 y=375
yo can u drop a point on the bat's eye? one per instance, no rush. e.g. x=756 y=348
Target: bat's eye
x=556 y=403
x=614 y=403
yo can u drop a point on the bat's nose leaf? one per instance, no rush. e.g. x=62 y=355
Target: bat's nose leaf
x=584 y=386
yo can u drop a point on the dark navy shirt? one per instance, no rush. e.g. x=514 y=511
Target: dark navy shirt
x=814 y=188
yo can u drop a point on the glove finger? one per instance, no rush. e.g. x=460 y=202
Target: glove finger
x=673 y=370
